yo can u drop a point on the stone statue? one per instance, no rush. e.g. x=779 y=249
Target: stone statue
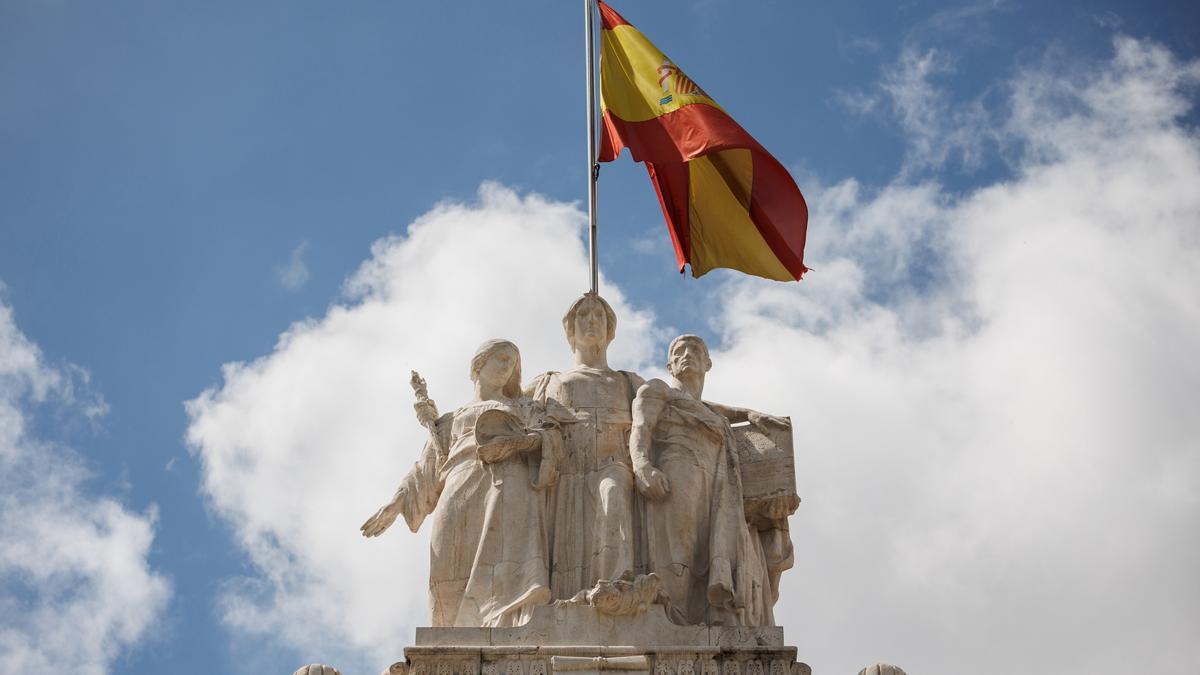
x=881 y=669
x=598 y=522
x=685 y=461
x=597 y=490
x=317 y=669
x=591 y=508
x=489 y=559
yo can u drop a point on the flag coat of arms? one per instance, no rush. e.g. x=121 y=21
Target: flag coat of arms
x=727 y=201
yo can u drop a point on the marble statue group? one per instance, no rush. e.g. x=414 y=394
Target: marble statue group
x=592 y=486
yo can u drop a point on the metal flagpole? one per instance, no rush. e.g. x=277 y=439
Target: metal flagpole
x=593 y=167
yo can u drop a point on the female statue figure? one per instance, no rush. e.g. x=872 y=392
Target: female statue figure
x=489 y=559
x=592 y=506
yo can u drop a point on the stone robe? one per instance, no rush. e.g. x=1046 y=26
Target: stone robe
x=591 y=508
x=489 y=563
x=707 y=557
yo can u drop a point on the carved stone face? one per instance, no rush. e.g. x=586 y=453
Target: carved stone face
x=688 y=356
x=498 y=368
x=591 y=325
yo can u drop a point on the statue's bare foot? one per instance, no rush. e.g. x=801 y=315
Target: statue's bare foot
x=627 y=596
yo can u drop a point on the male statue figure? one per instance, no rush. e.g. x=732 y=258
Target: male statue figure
x=711 y=562
x=590 y=514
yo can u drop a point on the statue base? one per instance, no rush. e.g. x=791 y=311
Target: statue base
x=579 y=640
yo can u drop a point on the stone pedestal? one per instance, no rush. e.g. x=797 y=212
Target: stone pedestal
x=580 y=641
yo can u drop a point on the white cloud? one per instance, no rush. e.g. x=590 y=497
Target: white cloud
x=298 y=448
x=294 y=274
x=76 y=590
x=851 y=48
x=993 y=395
x=934 y=129
x=1000 y=470
x=858 y=101
x=654 y=240
x=937 y=129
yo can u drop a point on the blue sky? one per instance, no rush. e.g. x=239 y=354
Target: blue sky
x=163 y=165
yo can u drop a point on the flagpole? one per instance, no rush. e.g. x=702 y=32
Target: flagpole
x=593 y=171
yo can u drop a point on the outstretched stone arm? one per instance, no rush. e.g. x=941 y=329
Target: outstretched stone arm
x=649 y=403
x=415 y=498
x=737 y=415
x=383 y=518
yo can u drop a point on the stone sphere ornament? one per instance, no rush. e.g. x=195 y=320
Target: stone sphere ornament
x=882 y=669
x=317 y=669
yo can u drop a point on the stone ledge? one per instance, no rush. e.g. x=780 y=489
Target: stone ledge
x=582 y=625
x=672 y=660
x=577 y=640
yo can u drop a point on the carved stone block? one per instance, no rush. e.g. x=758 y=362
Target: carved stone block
x=574 y=640
x=766 y=461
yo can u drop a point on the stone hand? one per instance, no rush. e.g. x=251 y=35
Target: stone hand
x=778 y=508
x=381 y=521
x=426 y=412
x=495 y=452
x=504 y=448
x=763 y=420
x=652 y=483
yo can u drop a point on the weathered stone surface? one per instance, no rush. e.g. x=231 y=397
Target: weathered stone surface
x=317 y=669
x=489 y=560
x=768 y=468
x=881 y=669
x=574 y=625
x=595 y=658
x=592 y=487
x=746 y=636
x=577 y=659
x=582 y=639
x=593 y=503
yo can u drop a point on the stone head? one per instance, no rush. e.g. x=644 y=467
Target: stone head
x=498 y=361
x=590 y=321
x=688 y=353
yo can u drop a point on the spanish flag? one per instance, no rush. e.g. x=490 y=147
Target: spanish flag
x=727 y=201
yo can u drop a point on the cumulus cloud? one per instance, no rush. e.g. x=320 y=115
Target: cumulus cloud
x=299 y=447
x=76 y=589
x=994 y=392
x=294 y=274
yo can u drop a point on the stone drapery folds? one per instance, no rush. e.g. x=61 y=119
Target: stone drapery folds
x=591 y=484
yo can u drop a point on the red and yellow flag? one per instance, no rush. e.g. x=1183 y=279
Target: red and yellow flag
x=727 y=201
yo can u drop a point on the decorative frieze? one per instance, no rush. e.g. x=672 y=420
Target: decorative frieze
x=596 y=659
